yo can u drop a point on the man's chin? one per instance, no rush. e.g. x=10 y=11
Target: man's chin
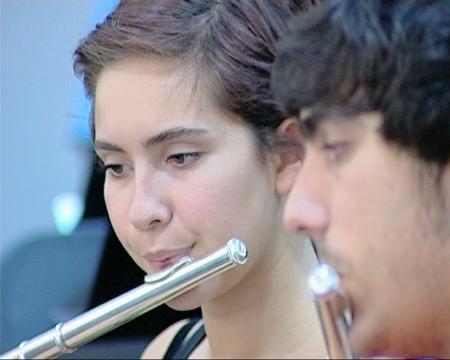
x=365 y=340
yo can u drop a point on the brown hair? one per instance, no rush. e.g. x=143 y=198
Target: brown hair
x=231 y=44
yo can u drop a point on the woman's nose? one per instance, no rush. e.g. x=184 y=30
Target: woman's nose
x=148 y=209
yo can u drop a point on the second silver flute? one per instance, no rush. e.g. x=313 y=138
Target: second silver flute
x=324 y=285
x=158 y=289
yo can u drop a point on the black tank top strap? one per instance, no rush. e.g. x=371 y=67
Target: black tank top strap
x=185 y=341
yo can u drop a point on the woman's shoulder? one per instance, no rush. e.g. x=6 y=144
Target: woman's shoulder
x=159 y=345
x=175 y=333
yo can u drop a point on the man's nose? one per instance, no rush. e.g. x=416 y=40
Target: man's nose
x=306 y=208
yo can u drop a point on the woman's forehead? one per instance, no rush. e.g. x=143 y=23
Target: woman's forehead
x=175 y=78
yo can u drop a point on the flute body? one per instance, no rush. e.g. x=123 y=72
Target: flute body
x=324 y=285
x=157 y=289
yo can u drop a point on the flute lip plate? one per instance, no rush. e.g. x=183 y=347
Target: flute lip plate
x=323 y=281
x=161 y=275
x=237 y=251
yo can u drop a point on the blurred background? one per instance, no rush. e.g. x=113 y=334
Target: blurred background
x=58 y=254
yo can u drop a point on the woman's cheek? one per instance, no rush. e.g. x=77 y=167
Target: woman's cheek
x=118 y=214
x=208 y=209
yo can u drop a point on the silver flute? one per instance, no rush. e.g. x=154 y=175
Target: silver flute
x=324 y=285
x=158 y=288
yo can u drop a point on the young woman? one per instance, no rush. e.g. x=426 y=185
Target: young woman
x=184 y=123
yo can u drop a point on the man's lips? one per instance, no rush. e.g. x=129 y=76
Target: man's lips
x=349 y=300
x=344 y=280
x=160 y=259
x=344 y=272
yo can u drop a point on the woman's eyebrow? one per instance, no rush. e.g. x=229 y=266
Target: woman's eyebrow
x=166 y=135
x=174 y=133
x=106 y=146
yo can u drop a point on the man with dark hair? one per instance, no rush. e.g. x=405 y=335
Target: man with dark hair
x=370 y=84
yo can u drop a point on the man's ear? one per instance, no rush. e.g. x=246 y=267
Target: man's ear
x=290 y=154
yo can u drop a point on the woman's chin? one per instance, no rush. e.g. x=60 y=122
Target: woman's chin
x=185 y=302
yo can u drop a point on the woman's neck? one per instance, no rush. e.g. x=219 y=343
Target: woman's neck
x=269 y=314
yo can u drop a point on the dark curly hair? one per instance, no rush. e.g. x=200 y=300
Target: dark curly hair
x=373 y=55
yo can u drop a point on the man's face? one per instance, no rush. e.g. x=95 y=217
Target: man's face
x=378 y=215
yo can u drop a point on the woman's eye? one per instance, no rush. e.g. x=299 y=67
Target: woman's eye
x=116 y=170
x=183 y=159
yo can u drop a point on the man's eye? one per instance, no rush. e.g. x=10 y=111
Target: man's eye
x=183 y=159
x=335 y=151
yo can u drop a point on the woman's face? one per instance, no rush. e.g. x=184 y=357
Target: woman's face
x=181 y=176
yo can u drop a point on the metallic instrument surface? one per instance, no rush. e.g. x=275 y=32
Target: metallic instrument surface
x=324 y=285
x=157 y=289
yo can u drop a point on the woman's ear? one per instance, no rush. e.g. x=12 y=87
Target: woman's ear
x=290 y=154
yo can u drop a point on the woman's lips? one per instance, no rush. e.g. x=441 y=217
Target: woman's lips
x=159 y=260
